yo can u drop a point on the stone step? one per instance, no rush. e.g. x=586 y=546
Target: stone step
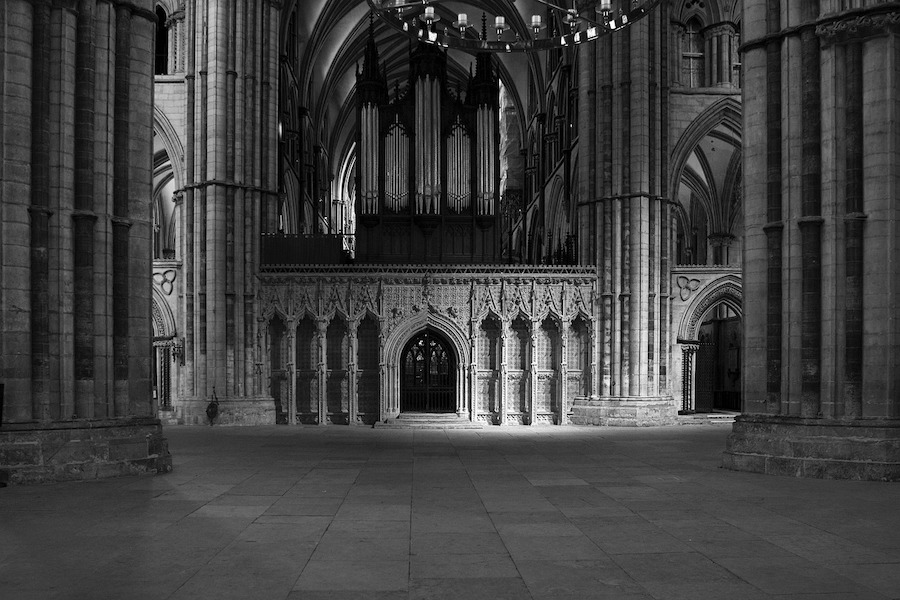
x=429 y=421
x=707 y=418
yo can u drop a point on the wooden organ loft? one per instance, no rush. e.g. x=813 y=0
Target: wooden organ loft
x=428 y=170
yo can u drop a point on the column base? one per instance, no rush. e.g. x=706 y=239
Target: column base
x=82 y=450
x=863 y=449
x=629 y=411
x=232 y=411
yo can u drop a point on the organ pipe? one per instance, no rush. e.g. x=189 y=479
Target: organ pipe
x=459 y=191
x=464 y=158
x=486 y=159
x=368 y=163
x=396 y=151
x=435 y=145
x=373 y=151
x=364 y=158
x=428 y=157
x=420 y=150
x=390 y=158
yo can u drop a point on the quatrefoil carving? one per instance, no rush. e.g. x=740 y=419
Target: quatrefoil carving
x=165 y=280
x=687 y=286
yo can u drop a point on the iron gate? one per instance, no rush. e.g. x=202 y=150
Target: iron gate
x=426 y=375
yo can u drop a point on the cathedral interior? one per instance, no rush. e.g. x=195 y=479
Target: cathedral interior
x=484 y=256
x=348 y=213
x=436 y=234
x=496 y=214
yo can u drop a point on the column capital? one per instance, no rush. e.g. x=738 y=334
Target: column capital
x=857 y=26
x=720 y=239
x=719 y=29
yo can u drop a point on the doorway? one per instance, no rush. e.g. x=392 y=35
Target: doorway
x=427 y=370
x=718 y=361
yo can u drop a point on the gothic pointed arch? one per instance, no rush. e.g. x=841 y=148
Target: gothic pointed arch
x=162 y=316
x=406 y=330
x=726 y=111
x=428 y=373
x=725 y=290
x=162 y=126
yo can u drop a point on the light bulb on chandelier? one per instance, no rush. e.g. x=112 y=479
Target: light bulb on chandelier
x=420 y=19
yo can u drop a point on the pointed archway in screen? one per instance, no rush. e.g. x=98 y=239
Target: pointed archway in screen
x=427 y=374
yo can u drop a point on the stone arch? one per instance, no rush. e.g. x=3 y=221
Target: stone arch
x=169 y=6
x=708 y=11
x=166 y=346
x=163 y=319
x=548 y=311
x=276 y=311
x=558 y=221
x=727 y=290
x=161 y=40
x=172 y=143
x=535 y=241
x=406 y=330
x=393 y=350
x=726 y=111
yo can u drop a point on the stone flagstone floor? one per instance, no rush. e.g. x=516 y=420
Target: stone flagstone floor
x=546 y=513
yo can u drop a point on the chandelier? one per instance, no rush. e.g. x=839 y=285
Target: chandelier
x=433 y=22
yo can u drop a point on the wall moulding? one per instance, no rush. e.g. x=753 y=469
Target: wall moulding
x=857 y=25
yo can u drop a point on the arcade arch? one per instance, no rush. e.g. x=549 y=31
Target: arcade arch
x=710 y=336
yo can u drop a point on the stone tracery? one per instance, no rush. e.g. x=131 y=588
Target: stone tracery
x=488 y=318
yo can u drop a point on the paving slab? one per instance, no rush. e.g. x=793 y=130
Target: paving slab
x=555 y=513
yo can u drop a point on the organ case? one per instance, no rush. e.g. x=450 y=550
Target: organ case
x=427 y=164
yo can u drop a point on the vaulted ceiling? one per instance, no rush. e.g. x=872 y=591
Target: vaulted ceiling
x=331 y=39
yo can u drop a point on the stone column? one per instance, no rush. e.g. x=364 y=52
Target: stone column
x=231 y=79
x=720 y=54
x=595 y=384
x=262 y=354
x=292 y=371
x=175 y=27
x=473 y=370
x=322 y=368
x=821 y=260
x=504 y=370
x=687 y=378
x=385 y=405
x=530 y=413
x=352 y=371
x=677 y=36
x=563 y=371
x=76 y=86
x=720 y=244
x=624 y=208
x=462 y=388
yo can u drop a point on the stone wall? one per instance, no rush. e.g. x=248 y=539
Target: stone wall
x=820 y=263
x=230 y=195
x=75 y=241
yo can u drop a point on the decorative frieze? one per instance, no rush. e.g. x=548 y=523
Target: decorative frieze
x=856 y=26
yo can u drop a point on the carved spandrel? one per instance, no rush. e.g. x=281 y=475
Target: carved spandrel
x=549 y=301
x=336 y=300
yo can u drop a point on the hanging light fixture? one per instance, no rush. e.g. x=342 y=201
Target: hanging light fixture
x=419 y=19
